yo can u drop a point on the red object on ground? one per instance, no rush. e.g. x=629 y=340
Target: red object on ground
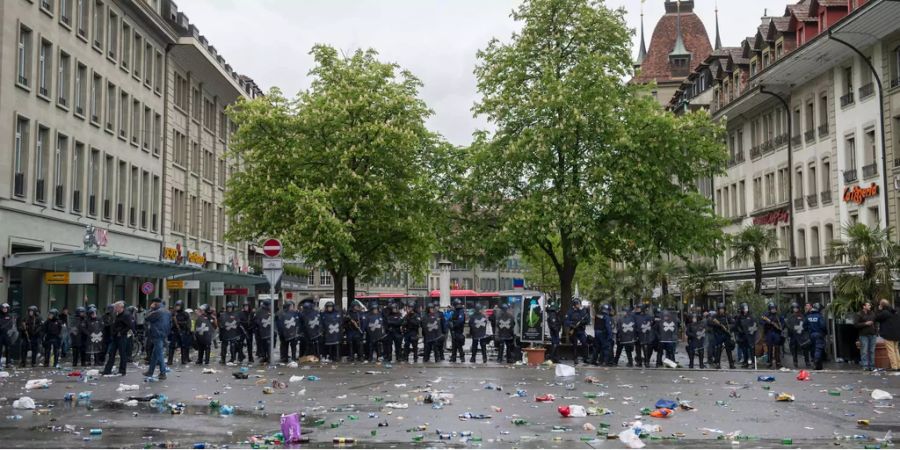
x=661 y=413
x=564 y=411
x=803 y=375
x=545 y=398
x=75 y=373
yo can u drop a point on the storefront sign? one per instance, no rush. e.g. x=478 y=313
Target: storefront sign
x=171 y=254
x=69 y=277
x=216 y=288
x=859 y=195
x=236 y=291
x=773 y=218
x=196 y=259
x=177 y=285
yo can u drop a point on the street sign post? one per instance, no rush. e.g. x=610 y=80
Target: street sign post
x=147 y=288
x=273 y=267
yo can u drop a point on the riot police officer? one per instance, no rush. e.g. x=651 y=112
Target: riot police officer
x=312 y=327
x=554 y=324
x=286 y=323
x=8 y=333
x=355 y=324
x=181 y=334
x=247 y=321
x=626 y=336
x=773 y=326
x=203 y=331
x=431 y=332
x=30 y=335
x=331 y=321
x=722 y=326
x=75 y=336
x=92 y=337
x=798 y=335
x=643 y=326
x=52 y=334
x=229 y=333
x=412 y=322
x=818 y=330
x=696 y=340
x=263 y=328
x=576 y=320
x=393 y=322
x=603 y=329
x=667 y=335
x=747 y=334
x=457 y=331
x=506 y=325
x=375 y=333
x=478 y=332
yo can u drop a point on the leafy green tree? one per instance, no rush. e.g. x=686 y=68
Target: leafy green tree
x=581 y=164
x=871 y=255
x=698 y=280
x=753 y=244
x=346 y=174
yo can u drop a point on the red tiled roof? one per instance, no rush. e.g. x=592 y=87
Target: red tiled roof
x=656 y=66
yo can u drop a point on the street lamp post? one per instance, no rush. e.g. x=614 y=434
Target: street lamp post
x=444 y=283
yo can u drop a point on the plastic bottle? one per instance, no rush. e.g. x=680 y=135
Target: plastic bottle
x=418 y=438
x=86 y=395
x=200 y=445
x=226 y=410
x=343 y=440
x=96 y=431
x=520 y=421
x=313 y=378
x=765 y=378
x=787 y=441
x=465 y=434
x=69 y=397
x=834 y=393
x=589 y=394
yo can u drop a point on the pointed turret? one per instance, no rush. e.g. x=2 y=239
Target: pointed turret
x=642 y=51
x=718 y=39
x=680 y=50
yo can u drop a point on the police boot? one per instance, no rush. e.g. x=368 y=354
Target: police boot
x=730 y=360
x=700 y=355
x=796 y=363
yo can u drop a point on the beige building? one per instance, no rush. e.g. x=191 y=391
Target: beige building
x=88 y=104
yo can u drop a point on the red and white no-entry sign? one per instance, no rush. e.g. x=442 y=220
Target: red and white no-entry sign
x=272 y=248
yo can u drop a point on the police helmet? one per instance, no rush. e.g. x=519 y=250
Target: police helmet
x=179 y=304
x=5 y=305
x=576 y=302
x=264 y=303
x=795 y=306
x=720 y=306
x=604 y=308
x=110 y=307
x=204 y=307
x=80 y=310
x=457 y=303
x=816 y=306
x=745 y=307
x=54 y=311
x=329 y=304
x=373 y=305
x=479 y=307
x=132 y=308
x=230 y=305
x=92 y=309
x=712 y=314
x=394 y=306
x=638 y=307
x=33 y=308
x=550 y=307
x=504 y=306
x=772 y=306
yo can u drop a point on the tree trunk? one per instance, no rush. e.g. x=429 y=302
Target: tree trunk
x=351 y=292
x=757 y=273
x=338 y=279
x=566 y=279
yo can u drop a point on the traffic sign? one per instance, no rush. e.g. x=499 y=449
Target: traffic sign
x=272 y=263
x=272 y=248
x=147 y=288
x=272 y=276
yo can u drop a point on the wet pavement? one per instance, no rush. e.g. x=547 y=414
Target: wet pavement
x=731 y=408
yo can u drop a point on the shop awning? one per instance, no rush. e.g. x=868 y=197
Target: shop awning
x=230 y=278
x=103 y=263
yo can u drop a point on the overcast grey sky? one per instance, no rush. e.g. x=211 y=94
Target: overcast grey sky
x=269 y=40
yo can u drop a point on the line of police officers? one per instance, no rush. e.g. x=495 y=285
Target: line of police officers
x=709 y=334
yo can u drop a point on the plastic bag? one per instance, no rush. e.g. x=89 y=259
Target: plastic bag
x=784 y=397
x=666 y=403
x=563 y=371
x=127 y=387
x=40 y=383
x=631 y=439
x=24 y=403
x=292 y=365
x=295 y=379
x=803 y=375
x=290 y=427
x=670 y=364
x=577 y=411
x=878 y=394
x=661 y=413
x=4 y=374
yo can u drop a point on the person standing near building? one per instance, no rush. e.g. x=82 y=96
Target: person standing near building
x=603 y=328
x=554 y=325
x=118 y=334
x=8 y=334
x=818 y=330
x=576 y=320
x=52 y=335
x=230 y=334
x=889 y=329
x=75 y=336
x=393 y=322
x=374 y=333
x=696 y=340
x=625 y=336
x=773 y=327
x=457 y=331
x=331 y=323
x=478 y=332
x=29 y=335
x=506 y=337
x=247 y=321
x=312 y=326
x=431 y=331
x=66 y=343
x=355 y=324
x=92 y=337
x=865 y=324
x=643 y=326
x=412 y=322
x=287 y=325
x=159 y=322
x=263 y=328
x=667 y=334
x=798 y=335
x=203 y=333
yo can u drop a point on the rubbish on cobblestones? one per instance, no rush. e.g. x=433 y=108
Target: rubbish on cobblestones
x=278 y=384
x=290 y=427
x=878 y=394
x=92 y=374
x=631 y=436
x=96 y=431
x=40 y=383
x=834 y=392
x=74 y=373
x=492 y=387
x=588 y=427
x=14 y=417
x=226 y=410
x=661 y=413
x=563 y=371
x=520 y=393
x=666 y=403
x=394 y=405
x=803 y=375
x=308 y=359
x=787 y=441
x=594 y=411
x=343 y=440
x=784 y=397
x=545 y=398
x=312 y=378
x=685 y=405
x=519 y=421
x=85 y=395
x=293 y=365
x=670 y=364
x=24 y=403
x=572 y=411
x=240 y=375
x=765 y=378
x=268 y=390
x=127 y=387
x=131 y=403
x=209 y=370
x=497 y=409
x=863 y=422
x=591 y=379
x=295 y=379
x=468 y=415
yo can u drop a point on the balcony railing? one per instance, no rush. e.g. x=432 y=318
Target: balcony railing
x=812 y=200
x=847 y=99
x=867 y=91
x=768 y=147
x=870 y=170
x=755 y=152
x=850 y=175
x=829 y=259
x=802 y=262
x=781 y=139
x=798 y=203
x=797 y=140
x=19 y=185
x=823 y=130
x=738 y=157
x=809 y=136
x=815 y=260
x=826 y=197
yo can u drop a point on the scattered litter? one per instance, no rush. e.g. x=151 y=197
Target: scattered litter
x=765 y=378
x=24 y=403
x=308 y=359
x=240 y=375
x=312 y=378
x=127 y=387
x=293 y=365
x=803 y=375
x=40 y=383
x=268 y=390
x=563 y=370
x=4 y=374
x=572 y=410
x=296 y=379
x=784 y=397
x=591 y=379
x=131 y=403
x=468 y=415
x=588 y=427
x=665 y=403
x=545 y=398
x=669 y=363
x=290 y=428
x=278 y=384
x=209 y=370
x=661 y=413
x=631 y=436
x=394 y=405
x=878 y=394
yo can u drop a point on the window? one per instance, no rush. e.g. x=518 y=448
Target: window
x=311 y=277
x=208 y=224
x=797 y=122
x=112 y=44
x=63 y=77
x=848 y=80
x=180 y=148
x=59 y=170
x=148 y=128
x=93 y=183
x=798 y=184
x=135 y=121
x=40 y=164
x=20 y=156
x=770 y=189
x=223 y=121
x=123 y=114
x=81 y=11
x=209 y=166
x=324 y=278
x=45 y=68
x=98 y=25
x=195 y=158
x=138 y=55
x=178 y=210
x=209 y=115
x=80 y=89
x=823 y=115
x=126 y=45
x=145 y=198
x=154 y=204
x=743 y=198
x=870 y=149
x=811 y=179
x=801 y=247
x=108 y=177
x=195 y=104
x=810 y=117
x=77 y=175
x=148 y=64
x=157 y=133
x=193 y=217
x=757 y=193
x=874 y=217
x=220 y=230
x=221 y=177
x=181 y=92
x=814 y=245
x=96 y=98
x=826 y=175
x=158 y=78
x=65 y=12
x=134 y=201
x=23 y=57
x=122 y=193
x=110 y=107
x=850 y=152
x=784 y=195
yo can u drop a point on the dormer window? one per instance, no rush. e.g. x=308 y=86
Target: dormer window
x=765 y=59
